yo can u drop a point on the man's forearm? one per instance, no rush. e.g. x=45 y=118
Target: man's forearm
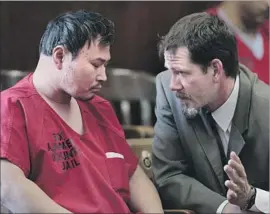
x=184 y=192
x=144 y=196
x=24 y=196
x=231 y=208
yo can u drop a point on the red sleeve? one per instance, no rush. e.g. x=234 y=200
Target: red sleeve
x=14 y=143
x=212 y=11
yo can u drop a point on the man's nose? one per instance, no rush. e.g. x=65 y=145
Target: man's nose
x=102 y=76
x=175 y=84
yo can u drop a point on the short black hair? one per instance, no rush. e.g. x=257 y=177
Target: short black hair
x=74 y=29
x=206 y=37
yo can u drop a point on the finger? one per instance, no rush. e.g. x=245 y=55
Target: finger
x=235 y=157
x=232 y=186
x=233 y=176
x=229 y=171
x=238 y=167
x=231 y=196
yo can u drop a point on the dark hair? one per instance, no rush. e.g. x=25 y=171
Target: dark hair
x=206 y=37
x=74 y=29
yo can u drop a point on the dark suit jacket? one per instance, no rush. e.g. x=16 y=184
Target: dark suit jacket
x=186 y=160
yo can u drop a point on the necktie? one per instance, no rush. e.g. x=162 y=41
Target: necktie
x=213 y=126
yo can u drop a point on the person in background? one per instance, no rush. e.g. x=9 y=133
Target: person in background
x=249 y=20
x=211 y=143
x=62 y=147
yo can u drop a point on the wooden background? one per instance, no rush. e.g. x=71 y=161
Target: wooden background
x=137 y=25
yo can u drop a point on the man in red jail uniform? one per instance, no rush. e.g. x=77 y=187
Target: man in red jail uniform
x=62 y=147
x=250 y=22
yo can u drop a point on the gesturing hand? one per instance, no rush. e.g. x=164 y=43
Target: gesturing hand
x=239 y=189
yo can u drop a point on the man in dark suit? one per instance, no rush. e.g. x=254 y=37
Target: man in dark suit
x=211 y=144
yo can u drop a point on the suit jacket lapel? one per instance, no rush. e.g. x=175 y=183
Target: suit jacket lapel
x=236 y=142
x=240 y=119
x=210 y=147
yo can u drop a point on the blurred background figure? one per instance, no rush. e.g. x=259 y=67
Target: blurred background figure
x=250 y=22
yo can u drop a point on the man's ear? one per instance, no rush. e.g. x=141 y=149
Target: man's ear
x=58 y=55
x=217 y=67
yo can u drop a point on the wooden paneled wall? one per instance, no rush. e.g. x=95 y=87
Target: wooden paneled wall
x=137 y=25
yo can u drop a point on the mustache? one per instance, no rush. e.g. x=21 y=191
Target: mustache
x=98 y=86
x=182 y=95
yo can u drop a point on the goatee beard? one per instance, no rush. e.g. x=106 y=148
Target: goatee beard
x=189 y=113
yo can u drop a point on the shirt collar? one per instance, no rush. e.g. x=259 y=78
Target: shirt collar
x=224 y=114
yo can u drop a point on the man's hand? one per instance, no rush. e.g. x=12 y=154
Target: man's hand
x=239 y=189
